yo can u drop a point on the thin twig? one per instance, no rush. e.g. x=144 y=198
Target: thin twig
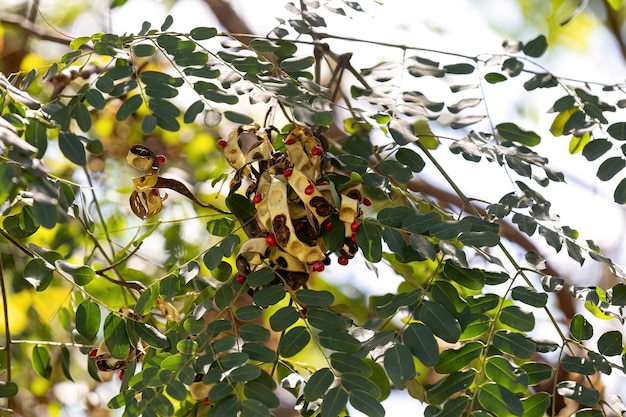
x=121 y=261
x=7 y=331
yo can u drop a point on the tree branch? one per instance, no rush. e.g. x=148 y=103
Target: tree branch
x=32 y=29
x=229 y=19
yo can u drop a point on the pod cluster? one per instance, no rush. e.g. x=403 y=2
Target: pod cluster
x=298 y=199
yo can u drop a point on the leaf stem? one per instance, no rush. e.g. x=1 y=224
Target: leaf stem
x=7 y=331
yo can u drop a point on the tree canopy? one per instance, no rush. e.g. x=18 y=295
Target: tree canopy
x=187 y=216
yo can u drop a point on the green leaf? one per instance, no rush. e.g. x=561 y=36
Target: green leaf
x=529 y=296
x=617 y=131
x=396 y=171
x=253 y=333
x=518 y=319
x=495 y=77
x=269 y=295
x=128 y=107
x=222 y=271
x=462 y=68
x=368 y=237
x=421 y=223
x=399 y=365
x=296 y=64
x=499 y=400
x=620 y=192
x=394 y=216
x=578 y=365
x=411 y=159
x=514 y=343
x=260 y=391
x=351 y=363
x=334 y=402
x=193 y=111
x=260 y=277
x=366 y=404
x=72 y=148
x=238 y=118
x=144 y=50
x=82 y=117
x=536 y=405
x=453 y=360
x=42 y=364
x=264 y=45
x=610 y=167
x=440 y=321
x=203 y=33
x=450 y=385
x=473 y=279
x=254 y=408
x=318 y=383
x=293 y=341
x=8 y=389
x=147 y=299
x=240 y=206
x=596 y=148
x=536 y=47
x=578 y=393
x=283 y=318
x=38 y=273
x=223 y=226
x=610 y=343
x=580 y=328
x=319 y=298
x=423 y=345
x=245 y=373
x=501 y=371
x=339 y=341
x=167 y=23
x=513 y=133
x=354 y=382
x=88 y=317
x=150 y=335
x=450 y=229
x=116 y=337
x=259 y=352
x=325 y=320
x=537 y=372
x=79 y=274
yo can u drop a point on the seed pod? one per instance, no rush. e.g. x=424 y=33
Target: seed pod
x=283 y=228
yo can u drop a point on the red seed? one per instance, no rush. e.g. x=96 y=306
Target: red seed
x=310 y=189
x=271 y=240
x=354 y=226
x=287 y=172
x=290 y=141
x=162 y=159
x=323 y=183
x=222 y=143
x=240 y=279
x=207 y=402
x=257 y=198
x=328 y=225
x=93 y=353
x=353 y=239
x=121 y=375
x=317 y=150
x=367 y=202
x=154 y=191
x=303 y=312
x=318 y=266
x=342 y=260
